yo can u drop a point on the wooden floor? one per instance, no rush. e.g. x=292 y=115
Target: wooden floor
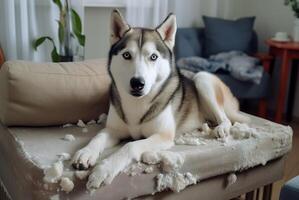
x=292 y=164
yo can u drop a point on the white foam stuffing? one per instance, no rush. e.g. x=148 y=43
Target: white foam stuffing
x=91 y=122
x=102 y=118
x=55 y=197
x=205 y=128
x=64 y=156
x=67 y=125
x=81 y=123
x=242 y=131
x=175 y=181
x=81 y=174
x=66 y=184
x=69 y=137
x=170 y=161
x=149 y=169
x=52 y=174
x=194 y=138
x=231 y=179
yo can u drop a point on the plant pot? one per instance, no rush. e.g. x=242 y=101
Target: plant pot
x=296 y=30
x=66 y=58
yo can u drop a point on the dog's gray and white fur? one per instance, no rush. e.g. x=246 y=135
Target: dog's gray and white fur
x=158 y=104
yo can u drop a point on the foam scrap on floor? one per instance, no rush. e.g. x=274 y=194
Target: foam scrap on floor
x=231 y=179
x=175 y=181
x=69 y=137
x=81 y=123
x=53 y=173
x=170 y=161
x=102 y=118
x=67 y=125
x=55 y=197
x=82 y=174
x=91 y=122
x=64 y=156
x=66 y=184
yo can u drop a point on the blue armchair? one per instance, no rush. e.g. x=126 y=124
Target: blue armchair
x=290 y=191
x=190 y=42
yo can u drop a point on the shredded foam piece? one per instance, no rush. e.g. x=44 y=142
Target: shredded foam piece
x=67 y=125
x=194 y=138
x=66 y=184
x=81 y=124
x=102 y=118
x=82 y=174
x=52 y=174
x=231 y=179
x=69 y=137
x=149 y=169
x=242 y=131
x=175 y=181
x=205 y=128
x=84 y=130
x=55 y=197
x=170 y=161
x=64 y=156
x=91 y=122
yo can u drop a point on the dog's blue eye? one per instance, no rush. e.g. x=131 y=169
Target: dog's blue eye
x=127 y=56
x=154 y=57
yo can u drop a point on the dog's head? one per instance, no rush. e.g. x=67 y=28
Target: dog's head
x=140 y=59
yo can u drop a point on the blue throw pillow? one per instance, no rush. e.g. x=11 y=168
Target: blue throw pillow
x=223 y=35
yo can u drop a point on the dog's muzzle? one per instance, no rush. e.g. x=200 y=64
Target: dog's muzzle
x=137 y=85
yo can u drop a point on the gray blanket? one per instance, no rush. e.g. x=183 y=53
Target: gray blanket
x=238 y=64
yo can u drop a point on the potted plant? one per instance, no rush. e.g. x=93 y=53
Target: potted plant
x=70 y=37
x=294 y=4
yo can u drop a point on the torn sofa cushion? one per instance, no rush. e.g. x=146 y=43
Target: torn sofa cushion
x=45 y=94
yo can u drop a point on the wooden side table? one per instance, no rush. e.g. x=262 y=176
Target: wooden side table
x=288 y=51
x=1 y=57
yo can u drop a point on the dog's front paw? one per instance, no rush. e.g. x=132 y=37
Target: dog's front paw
x=102 y=174
x=85 y=158
x=222 y=130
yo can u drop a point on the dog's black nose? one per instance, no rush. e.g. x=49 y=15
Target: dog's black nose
x=137 y=83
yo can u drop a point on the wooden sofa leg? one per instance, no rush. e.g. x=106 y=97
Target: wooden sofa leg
x=262 y=112
x=267 y=194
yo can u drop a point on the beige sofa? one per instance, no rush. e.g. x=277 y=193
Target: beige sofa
x=37 y=99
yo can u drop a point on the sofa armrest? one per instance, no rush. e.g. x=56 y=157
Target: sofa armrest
x=265 y=59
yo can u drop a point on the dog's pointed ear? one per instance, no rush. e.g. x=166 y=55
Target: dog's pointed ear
x=167 y=30
x=118 y=26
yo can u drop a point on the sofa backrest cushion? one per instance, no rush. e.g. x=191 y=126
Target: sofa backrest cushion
x=189 y=42
x=227 y=35
x=44 y=94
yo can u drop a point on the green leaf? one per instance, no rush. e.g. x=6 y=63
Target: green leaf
x=58 y=3
x=55 y=56
x=38 y=42
x=60 y=32
x=81 y=39
x=77 y=27
x=76 y=21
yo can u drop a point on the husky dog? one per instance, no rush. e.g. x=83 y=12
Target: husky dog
x=151 y=100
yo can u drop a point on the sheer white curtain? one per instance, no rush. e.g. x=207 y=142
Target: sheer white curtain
x=22 y=21
x=146 y=13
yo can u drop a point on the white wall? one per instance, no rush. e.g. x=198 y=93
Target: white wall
x=97 y=20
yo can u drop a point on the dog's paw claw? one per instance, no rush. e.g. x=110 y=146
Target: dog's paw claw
x=84 y=158
x=101 y=175
x=222 y=130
